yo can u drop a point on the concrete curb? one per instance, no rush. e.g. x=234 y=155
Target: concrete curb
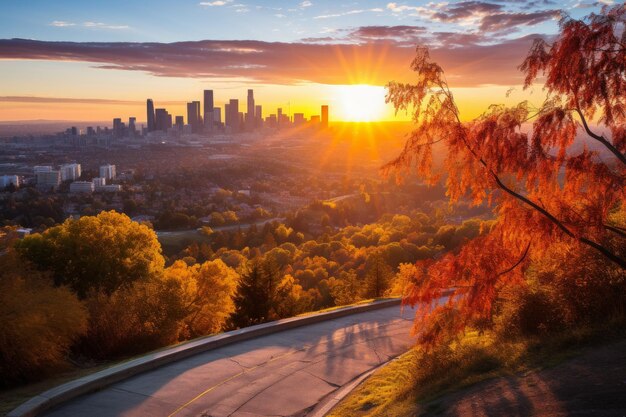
x=326 y=406
x=99 y=380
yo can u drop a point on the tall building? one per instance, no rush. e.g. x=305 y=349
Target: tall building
x=163 y=120
x=298 y=119
x=193 y=116
x=132 y=125
x=250 y=111
x=325 y=116
x=107 y=171
x=208 y=110
x=217 y=116
x=279 y=118
x=180 y=122
x=232 y=115
x=258 y=116
x=70 y=172
x=118 y=128
x=151 y=116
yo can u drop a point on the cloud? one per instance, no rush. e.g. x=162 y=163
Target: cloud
x=377 y=63
x=306 y=3
x=481 y=15
x=62 y=24
x=66 y=100
x=505 y=21
x=348 y=13
x=215 y=3
x=89 y=24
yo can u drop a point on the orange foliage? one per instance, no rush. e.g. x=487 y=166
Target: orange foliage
x=543 y=190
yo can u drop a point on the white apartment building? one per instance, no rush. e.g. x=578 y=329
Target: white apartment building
x=107 y=171
x=5 y=180
x=99 y=182
x=81 y=187
x=70 y=172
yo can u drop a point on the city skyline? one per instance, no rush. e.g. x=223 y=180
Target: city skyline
x=306 y=53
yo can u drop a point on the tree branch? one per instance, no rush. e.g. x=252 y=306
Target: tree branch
x=600 y=138
x=506 y=271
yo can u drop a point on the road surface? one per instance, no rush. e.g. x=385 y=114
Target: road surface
x=283 y=374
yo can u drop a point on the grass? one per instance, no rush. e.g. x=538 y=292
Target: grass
x=412 y=384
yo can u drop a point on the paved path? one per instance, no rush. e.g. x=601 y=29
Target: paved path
x=283 y=374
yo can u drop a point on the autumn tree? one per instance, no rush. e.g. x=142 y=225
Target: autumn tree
x=94 y=253
x=38 y=321
x=544 y=189
x=208 y=295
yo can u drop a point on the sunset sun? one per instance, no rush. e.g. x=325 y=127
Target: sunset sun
x=360 y=103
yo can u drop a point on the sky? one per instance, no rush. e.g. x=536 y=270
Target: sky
x=95 y=60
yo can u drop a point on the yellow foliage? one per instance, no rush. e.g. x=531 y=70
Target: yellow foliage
x=38 y=322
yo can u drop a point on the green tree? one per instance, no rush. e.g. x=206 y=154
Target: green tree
x=97 y=253
x=256 y=293
x=378 y=277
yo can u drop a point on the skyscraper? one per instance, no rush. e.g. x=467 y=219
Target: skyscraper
x=217 y=117
x=180 y=122
x=232 y=115
x=208 y=110
x=325 y=116
x=132 y=128
x=258 y=116
x=250 y=111
x=151 y=117
x=193 y=116
x=163 y=120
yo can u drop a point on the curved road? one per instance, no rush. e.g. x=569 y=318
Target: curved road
x=283 y=374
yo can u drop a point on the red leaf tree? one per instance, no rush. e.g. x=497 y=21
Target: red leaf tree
x=543 y=189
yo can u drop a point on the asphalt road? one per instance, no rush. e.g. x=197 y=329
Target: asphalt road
x=284 y=374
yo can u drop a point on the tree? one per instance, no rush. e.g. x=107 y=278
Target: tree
x=256 y=293
x=378 y=277
x=97 y=253
x=209 y=290
x=543 y=190
x=39 y=321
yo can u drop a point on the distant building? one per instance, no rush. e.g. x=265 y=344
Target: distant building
x=217 y=116
x=99 y=182
x=151 y=116
x=41 y=168
x=250 y=119
x=315 y=119
x=48 y=180
x=193 y=116
x=180 y=122
x=298 y=119
x=258 y=115
x=110 y=188
x=70 y=172
x=81 y=187
x=163 y=120
x=324 y=116
x=232 y=115
x=107 y=171
x=7 y=180
x=209 y=110
x=132 y=126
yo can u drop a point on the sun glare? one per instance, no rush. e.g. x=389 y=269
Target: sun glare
x=360 y=103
